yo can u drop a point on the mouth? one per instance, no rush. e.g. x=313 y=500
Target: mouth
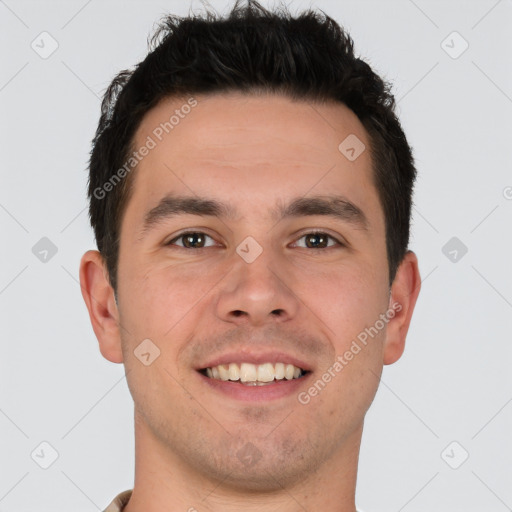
x=248 y=374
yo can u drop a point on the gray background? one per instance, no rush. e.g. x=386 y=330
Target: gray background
x=453 y=382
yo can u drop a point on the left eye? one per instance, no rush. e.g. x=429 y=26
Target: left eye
x=316 y=241
x=192 y=240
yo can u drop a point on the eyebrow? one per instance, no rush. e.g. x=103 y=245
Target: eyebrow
x=338 y=207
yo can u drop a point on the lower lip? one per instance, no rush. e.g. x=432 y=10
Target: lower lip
x=275 y=390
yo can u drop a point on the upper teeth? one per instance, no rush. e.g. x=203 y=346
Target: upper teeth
x=247 y=372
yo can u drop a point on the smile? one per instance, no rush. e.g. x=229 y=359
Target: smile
x=254 y=374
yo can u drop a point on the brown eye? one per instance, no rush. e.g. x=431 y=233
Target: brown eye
x=192 y=240
x=317 y=241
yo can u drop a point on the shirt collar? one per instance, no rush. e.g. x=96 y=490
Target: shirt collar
x=119 y=502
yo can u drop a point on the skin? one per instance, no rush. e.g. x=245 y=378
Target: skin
x=252 y=153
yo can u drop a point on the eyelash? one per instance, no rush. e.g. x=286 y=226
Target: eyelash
x=338 y=243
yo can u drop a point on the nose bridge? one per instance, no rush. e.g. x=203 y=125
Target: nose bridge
x=255 y=291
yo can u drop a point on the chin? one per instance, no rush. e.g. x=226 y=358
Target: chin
x=262 y=465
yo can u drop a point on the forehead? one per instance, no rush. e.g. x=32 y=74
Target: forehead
x=244 y=122
x=249 y=147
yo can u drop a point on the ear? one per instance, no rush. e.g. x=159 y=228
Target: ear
x=100 y=301
x=404 y=292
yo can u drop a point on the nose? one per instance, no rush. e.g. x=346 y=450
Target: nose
x=257 y=293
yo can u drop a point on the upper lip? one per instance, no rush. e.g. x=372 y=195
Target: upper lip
x=256 y=358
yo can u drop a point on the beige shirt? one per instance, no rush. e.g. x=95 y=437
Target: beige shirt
x=119 y=502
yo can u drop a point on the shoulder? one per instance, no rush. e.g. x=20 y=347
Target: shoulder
x=119 y=502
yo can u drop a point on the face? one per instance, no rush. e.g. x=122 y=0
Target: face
x=252 y=249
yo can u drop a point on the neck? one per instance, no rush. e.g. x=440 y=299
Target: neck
x=166 y=483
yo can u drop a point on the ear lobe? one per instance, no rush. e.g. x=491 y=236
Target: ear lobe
x=404 y=293
x=100 y=301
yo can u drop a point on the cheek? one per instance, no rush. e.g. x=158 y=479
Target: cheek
x=347 y=300
x=350 y=303
x=161 y=303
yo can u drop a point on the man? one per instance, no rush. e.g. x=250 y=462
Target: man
x=250 y=192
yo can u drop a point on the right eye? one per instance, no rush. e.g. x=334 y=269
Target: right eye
x=192 y=240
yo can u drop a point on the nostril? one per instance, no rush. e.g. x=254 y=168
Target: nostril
x=277 y=312
x=238 y=312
